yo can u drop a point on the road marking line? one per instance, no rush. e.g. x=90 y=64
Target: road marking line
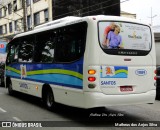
x=16 y=118
x=2 y=110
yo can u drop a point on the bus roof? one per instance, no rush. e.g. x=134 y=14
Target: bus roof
x=71 y=20
x=65 y=19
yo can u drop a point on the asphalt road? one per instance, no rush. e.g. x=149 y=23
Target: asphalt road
x=23 y=108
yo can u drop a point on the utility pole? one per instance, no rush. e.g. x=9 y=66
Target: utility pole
x=152 y=17
x=31 y=15
x=24 y=15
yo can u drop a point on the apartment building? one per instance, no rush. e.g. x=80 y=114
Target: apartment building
x=14 y=12
x=128 y=15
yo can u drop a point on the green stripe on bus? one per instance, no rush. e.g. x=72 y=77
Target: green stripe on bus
x=49 y=71
x=13 y=69
x=121 y=71
x=56 y=71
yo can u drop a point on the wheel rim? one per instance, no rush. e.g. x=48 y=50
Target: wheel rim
x=50 y=99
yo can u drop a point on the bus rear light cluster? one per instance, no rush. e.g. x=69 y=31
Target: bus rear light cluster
x=91 y=72
x=91 y=78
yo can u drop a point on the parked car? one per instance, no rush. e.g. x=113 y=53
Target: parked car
x=2 y=66
x=158 y=83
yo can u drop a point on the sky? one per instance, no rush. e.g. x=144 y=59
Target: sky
x=142 y=9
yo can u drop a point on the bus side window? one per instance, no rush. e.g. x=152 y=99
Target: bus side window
x=12 y=52
x=71 y=43
x=26 y=49
x=44 y=47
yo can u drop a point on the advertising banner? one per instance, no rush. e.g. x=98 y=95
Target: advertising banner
x=3 y=45
x=123 y=35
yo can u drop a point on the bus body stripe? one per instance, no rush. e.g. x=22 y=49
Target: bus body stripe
x=56 y=71
x=52 y=83
x=49 y=71
x=13 y=69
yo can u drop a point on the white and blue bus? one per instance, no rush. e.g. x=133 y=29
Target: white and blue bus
x=85 y=62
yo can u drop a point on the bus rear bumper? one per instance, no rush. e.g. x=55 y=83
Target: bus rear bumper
x=100 y=100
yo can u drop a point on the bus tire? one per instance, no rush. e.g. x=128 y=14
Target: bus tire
x=10 y=89
x=49 y=100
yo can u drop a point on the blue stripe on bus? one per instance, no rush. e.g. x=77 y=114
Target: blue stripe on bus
x=56 y=79
x=75 y=66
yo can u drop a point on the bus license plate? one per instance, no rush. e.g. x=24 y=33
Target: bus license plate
x=126 y=88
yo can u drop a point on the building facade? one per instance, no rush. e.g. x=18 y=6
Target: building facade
x=128 y=15
x=17 y=16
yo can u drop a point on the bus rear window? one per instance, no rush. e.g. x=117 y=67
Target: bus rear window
x=124 y=38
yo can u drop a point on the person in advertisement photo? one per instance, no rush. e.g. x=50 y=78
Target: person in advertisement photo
x=109 y=28
x=112 y=38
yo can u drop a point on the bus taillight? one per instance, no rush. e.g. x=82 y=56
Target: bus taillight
x=91 y=72
x=155 y=77
x=155 y=71
x=91 y=79
x=92 y=86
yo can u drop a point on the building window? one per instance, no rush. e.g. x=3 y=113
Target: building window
x=29 y=22
x=9 y=8
x=46 y=15
x=21 y=21
x=5 y=28
x=1 y=30
x=36 y=19
x=15 y=5
x=5 y=10
x=28 y=2
x=15 y=25
x=0 y=12
x=34 y=1
x=10 y=27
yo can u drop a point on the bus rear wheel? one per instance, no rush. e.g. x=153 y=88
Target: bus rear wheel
x=49 y=100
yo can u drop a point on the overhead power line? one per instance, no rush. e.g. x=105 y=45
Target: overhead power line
x=105 y=7
x=83 y=8
x=95 y=5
